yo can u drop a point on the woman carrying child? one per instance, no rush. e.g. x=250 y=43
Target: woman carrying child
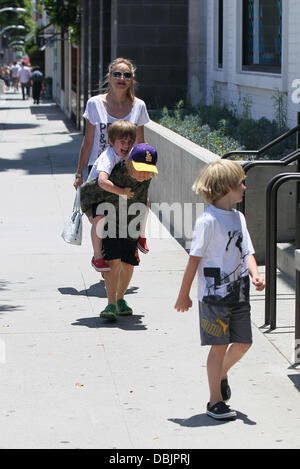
x=121 y=236
x=118 y=102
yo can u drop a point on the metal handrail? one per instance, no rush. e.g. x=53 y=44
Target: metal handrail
x=265 y=147
x=286 y=160
x=297 y=304
x=271 y=244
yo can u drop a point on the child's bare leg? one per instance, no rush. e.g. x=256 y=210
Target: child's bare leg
x=112 y=280
x=124 y=280
x=234 y=353
x=143 y=227
x=96 y=235
x=214 y=372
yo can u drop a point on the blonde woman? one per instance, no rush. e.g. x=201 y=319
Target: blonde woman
x=117 y=102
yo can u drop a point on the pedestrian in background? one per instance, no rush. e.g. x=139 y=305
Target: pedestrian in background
x=37 y=84
x=7 y=77
x=14 y=75
x=24 y=75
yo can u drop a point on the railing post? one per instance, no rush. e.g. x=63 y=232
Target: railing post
x=271 y=245
x=298 y=161
x=273 y=257
x=271 y=240
x=297 y=305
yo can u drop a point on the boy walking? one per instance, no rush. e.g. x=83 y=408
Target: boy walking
x=222 y=254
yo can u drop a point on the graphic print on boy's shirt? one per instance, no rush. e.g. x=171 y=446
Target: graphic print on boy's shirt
x=222 y=241
x=232 y=286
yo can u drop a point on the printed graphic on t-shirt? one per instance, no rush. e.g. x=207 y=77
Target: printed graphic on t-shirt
x=233 y=286
x=102 y=137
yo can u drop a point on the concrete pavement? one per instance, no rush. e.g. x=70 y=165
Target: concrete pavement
x=68 y=379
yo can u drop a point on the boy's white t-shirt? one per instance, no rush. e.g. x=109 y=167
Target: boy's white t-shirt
x=105 y=162
x=96 y=113
x=222 y=240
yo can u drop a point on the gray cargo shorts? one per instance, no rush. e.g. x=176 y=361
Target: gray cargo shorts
x=223 y=325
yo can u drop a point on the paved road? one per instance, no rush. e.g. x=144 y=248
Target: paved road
x=69 y=380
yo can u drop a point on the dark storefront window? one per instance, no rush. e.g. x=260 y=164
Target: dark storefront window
x=262 y=35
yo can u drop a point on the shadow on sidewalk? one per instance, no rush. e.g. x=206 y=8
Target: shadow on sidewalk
x=17 y=126
x=295 y=378
x=95 y=290
x=58 y=157
x=203 y=420
x=128 y=323
x=4 y=308
x=9 y=308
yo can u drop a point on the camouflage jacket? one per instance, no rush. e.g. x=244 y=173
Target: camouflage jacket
x=91 y=194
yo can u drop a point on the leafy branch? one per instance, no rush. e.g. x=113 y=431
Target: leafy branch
x=66 y=14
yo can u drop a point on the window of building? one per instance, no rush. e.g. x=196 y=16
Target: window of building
x=262 y=35
x=220 y=34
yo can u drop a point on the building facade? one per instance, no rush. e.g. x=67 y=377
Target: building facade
x=240 y=52
x=249 y=50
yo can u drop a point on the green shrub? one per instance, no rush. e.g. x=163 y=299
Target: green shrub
x=221 y=130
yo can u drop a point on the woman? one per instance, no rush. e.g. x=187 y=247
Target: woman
x=122 y=233
x=118 y=102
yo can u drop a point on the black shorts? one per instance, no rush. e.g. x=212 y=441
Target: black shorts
x=121 y=248
x=94 y=210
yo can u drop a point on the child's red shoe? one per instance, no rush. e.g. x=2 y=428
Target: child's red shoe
x=142 y=245
x=100 y=265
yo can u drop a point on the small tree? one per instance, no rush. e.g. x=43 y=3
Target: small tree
x=66 y=14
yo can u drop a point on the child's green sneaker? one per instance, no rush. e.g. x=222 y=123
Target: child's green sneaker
x=123 y=308
x=110 y=313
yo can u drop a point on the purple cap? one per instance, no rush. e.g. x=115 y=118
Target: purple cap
x=144 y=158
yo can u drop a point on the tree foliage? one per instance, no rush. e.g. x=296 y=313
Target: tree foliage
x=8 y=18
x=65 y=14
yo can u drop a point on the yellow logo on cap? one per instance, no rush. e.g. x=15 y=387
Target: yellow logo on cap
x=148 y=157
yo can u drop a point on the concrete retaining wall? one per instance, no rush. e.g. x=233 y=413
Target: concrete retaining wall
x=180 y=162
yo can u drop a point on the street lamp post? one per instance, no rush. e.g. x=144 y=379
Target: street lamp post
x=16 y=42
x=12 y=26
x=13 y=10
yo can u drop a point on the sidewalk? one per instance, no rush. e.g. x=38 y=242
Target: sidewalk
x=69 y=380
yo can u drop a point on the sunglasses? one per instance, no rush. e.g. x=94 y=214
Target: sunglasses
x=126 y=75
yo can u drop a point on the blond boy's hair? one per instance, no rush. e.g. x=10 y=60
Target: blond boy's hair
x=216 y=179
x=121 y=129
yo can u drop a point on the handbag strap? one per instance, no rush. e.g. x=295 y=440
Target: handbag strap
x=77 y=205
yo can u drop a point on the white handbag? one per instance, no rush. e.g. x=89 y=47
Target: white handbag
x=72 y=232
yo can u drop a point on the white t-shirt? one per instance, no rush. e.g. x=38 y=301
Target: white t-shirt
x=14 y=70
x=96 y=113
x=24 y=74
x=222 y=240
x=105 y=162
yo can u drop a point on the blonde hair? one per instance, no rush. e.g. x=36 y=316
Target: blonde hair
x=121 y=129
x=112 y=66
x=216 y=179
